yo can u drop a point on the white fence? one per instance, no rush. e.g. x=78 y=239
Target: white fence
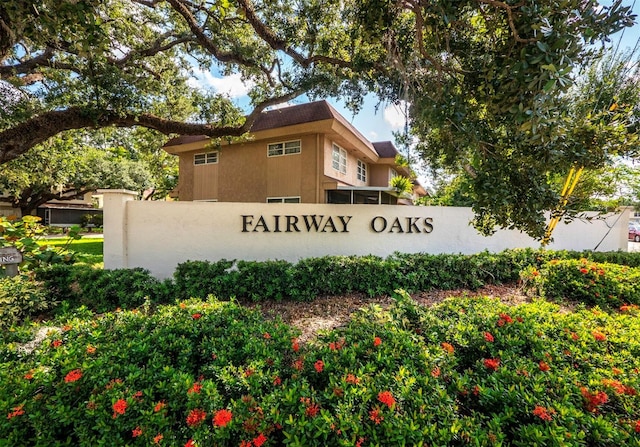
x=160 y=235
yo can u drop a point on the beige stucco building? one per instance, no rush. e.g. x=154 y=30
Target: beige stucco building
x=306 y=153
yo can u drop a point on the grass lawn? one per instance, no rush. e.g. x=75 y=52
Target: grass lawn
x=88 y=250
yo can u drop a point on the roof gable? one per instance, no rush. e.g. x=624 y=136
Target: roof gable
x=299 y=114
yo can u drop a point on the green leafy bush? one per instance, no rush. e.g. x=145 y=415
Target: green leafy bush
x=104 y=290
x=24 y=234
x=603 y=284
x=466 y=372
x=201 y=278
x=21 y=297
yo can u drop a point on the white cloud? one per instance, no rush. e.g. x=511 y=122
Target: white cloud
x=373 y=134
x=232 y=85
x=394 y=115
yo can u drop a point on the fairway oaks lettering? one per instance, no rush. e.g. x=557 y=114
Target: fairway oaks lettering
x=295 y=224
x=319 y=223
x=417 y=225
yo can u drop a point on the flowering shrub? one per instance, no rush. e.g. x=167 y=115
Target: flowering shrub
x=408 y=375
x=603 y=284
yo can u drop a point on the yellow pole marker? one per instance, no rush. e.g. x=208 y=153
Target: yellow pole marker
x=567 y=190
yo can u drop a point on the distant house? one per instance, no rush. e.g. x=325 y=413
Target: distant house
x=61 y=213
x=306 y=153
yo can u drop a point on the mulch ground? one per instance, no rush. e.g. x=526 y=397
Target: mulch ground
x=330 y=312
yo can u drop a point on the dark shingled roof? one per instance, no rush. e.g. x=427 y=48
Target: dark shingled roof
x=290 y=116
x=272 y=119
x=385 y=149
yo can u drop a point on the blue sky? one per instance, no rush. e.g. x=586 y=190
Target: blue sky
x=378 y=121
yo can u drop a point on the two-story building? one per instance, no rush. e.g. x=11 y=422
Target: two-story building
x=305 y=153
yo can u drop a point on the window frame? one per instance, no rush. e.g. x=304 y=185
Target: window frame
x=283 y=199
x=206 y=156
x=361 y=172
x=340 y=164
x=284 y=148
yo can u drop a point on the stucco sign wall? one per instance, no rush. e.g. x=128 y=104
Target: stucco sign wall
x=160 y=235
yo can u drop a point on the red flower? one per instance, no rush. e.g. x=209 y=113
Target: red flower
x=195 y=417
x=377 y=341
x=222 y=417
x=435 y=372
x=448 y=347
x=637 y=429
x=574 y=336
x=376 y=416
x=248 y=372
x=158 y=438
x=120 y=407
x=244 y=444
x=266 y=336
x=488 y=337
x=360 y=441
x=319 y=366
x=91 y=349
x=73 y=375
x=543 y=366
x=29 y=375
x=196 y=316
x=159 y=406
x=258 y=441
x=312 y=409
x=492 y=364
x=619 y=387
x=17 y=411
x=299 y=364
x=351 y=378
x=190 y=443
x=535 y=273
x=506 y=318
x=137 y=395
x=277 y=381
x=584 y=270
x=336 y=345
x=593 y=400
x=196 y=388
x=136 y=432
x=598 y=335
x=542 y=413
x=387 y=398
x=295 y=345
x=56 y=343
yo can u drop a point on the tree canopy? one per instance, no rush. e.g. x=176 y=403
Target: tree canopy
x=70 y=165
x=485 y=78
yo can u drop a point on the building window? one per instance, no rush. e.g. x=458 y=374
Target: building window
x=283 y=199
x=205 y=159
x=339 y=159
x=362 y=171
x=284 y=148
x=392 y=174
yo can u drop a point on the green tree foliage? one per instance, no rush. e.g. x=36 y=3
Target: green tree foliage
x=68 y=64
x=485 y=78
x=65 y=169
x=593 y=125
